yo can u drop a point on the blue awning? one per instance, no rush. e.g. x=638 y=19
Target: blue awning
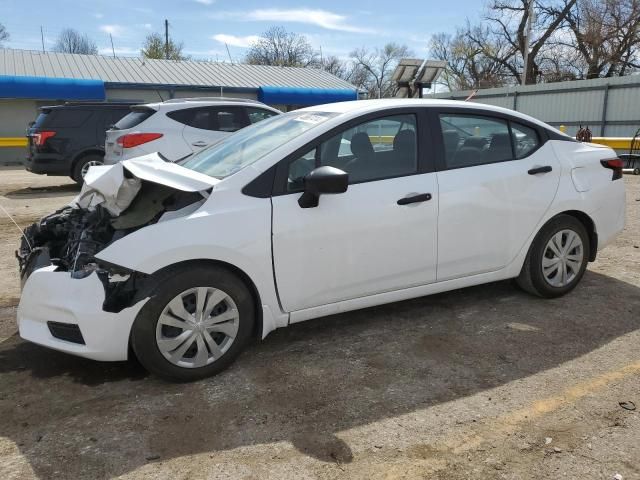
x=304 y=96
x=45 y=88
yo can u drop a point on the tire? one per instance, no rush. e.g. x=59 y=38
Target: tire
x=532 y=277
x=150 y=333
x=81 y=164
x=636 y=171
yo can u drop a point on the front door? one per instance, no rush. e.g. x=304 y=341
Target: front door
x=378 y=236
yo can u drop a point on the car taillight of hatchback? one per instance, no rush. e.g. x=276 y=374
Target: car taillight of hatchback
x=131 y=140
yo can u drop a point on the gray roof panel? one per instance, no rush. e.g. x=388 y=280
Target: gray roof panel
x=132 y=70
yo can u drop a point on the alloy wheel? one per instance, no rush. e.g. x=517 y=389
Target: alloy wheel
x=92 y=163
x=197 y=327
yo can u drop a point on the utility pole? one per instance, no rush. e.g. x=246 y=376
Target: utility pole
x=166 y=39
x=113 y=50
x=527 y=40
x=42 y=38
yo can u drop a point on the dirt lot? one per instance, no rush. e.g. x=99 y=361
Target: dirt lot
x=480 y=383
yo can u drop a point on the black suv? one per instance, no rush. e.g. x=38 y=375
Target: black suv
x=67 y=139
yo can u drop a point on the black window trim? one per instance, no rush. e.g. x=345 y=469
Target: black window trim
x=425 y=163
x=243 y=113
x=441 y=165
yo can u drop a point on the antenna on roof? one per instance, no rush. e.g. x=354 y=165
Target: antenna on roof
x=229 y=53
x=42 y=37
x=112 y=49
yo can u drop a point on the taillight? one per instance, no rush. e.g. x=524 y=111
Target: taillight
x=614 y=164
x=131 y=140
x=40 y=137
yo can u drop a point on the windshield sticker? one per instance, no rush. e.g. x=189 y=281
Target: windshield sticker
x=310 y=118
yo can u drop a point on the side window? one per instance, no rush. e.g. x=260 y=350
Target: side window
x=471 y=140
x=186 y=116
x=525 y=139
x=258 y=114
x=298 y=169
x=221 y=119
x=228 y=119
x=71 y=118
x=374 y=150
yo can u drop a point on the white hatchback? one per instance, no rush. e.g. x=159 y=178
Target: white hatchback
x=177 y=128
x=311 y=213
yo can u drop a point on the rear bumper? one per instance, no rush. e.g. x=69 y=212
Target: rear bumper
x=50 y=296
x=48 y=164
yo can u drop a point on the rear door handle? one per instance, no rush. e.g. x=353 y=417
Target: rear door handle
x=536 y=170
x=199 y=144
x=421 y=197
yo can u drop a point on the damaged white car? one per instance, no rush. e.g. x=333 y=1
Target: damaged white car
x=311 y=213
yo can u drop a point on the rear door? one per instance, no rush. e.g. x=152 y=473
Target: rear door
x=207 y=125
x=497 y=179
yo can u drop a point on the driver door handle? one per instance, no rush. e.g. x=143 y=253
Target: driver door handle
x=536 y=170
x=199 y=143
x=419 y=198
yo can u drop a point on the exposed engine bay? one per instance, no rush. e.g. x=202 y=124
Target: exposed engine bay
x=112 y=204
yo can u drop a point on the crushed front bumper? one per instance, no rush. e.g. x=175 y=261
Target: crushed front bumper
x=51 y=296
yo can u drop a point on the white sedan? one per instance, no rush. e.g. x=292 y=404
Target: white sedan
x=318 y=211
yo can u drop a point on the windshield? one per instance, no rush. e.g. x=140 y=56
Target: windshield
x=252 y=143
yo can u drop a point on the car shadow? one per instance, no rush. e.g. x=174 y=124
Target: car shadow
x=303 y=384
x=44 y=192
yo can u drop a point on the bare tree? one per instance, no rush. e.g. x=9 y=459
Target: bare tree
x=606 y=34
x=4 y=35
x=506 y=24
x=278 y=47
x=467 y=65
x=72 y=41
x=154 y=47
x=375 y=67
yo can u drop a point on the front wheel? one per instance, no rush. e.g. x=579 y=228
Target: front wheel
x=557 y=258
x=195 y=324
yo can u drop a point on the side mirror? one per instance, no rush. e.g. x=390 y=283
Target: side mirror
x=322 y=180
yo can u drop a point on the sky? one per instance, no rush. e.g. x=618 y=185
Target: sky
x=205 y=26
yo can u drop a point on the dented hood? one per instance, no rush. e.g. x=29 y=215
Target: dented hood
x=109 y=186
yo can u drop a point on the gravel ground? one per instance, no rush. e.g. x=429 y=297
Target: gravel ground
x=481 y=383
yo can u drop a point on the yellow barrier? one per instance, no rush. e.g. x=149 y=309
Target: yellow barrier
x=617 y=143
x=13 y=142
x=381 y=138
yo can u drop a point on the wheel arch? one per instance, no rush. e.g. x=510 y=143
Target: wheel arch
x=83 y=153
x=246 y=279
x=589 y=226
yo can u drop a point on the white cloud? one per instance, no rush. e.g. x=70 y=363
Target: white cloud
x=115 y=30
x=119 y=51
x=146 y=26
x=205 y=2
x=235 y=41
x=98 y=15
x=320 y=18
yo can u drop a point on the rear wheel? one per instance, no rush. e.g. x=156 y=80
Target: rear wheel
x=82 y=166
x=195 y=324
x=557 y=258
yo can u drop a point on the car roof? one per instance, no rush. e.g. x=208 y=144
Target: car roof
x=88 y=105
x=367 y=106
x=176 y=103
